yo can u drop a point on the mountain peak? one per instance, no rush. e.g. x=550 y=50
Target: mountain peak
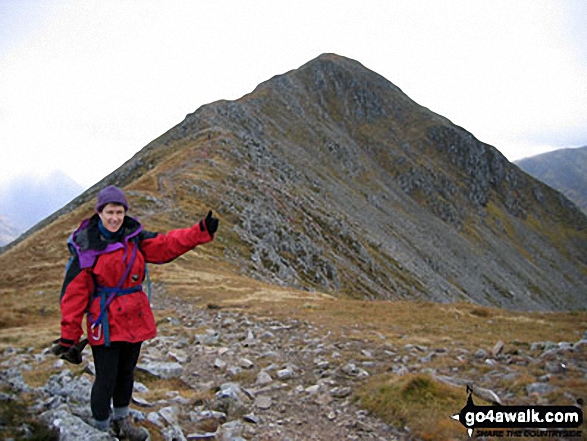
x=330 y=178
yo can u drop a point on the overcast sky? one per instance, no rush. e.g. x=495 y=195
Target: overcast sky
x=84 y=85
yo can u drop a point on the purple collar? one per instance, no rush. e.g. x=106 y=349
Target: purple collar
x=87 y=257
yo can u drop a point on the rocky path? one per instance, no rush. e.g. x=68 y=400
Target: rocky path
x=276 y=380
x=234 y=376
x=246 y=378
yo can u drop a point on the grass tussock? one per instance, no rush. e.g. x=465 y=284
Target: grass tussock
x=159 y=388
x=416 y=401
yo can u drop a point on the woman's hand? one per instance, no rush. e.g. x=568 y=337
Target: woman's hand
x=210 y=224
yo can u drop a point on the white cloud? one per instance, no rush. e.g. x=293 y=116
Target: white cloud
x=93 y=82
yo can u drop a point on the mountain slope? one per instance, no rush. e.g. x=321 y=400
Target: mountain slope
x=565 y=170
x=329 y=177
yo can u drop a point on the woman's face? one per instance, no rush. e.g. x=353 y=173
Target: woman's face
x=112 y=216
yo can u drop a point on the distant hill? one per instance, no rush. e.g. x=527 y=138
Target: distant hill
x=564 y=170
x=8 y=231
x=330 y=178
x=26 y=200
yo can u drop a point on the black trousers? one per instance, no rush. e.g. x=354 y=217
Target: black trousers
x=115 y=367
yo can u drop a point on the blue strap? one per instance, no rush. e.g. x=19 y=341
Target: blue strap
x=104 y=314
x=119 y=291
x=107 y=294
x=148 y=282
x=113 y=292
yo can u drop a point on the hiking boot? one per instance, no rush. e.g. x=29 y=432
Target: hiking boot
x=124 y=429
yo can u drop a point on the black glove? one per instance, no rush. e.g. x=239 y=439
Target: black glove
x=209 y=224
x=72 y=354
x=61 y=346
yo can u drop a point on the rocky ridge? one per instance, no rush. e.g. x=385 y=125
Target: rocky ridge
x=330 y=178
x=335 y=180
x=261 y=378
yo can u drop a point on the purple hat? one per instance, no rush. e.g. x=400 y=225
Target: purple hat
x=111 y=195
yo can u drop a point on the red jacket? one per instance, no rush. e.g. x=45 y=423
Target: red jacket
x=100 y=266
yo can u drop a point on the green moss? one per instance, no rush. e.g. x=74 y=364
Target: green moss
x=535 y=289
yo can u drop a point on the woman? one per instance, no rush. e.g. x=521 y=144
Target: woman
x=104 y=279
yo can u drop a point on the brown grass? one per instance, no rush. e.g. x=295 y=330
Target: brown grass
x=417 y=402
x=29 y=318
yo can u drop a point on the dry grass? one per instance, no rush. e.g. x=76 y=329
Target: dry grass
x=159 y=388
x=31 y=320
x=417 y=402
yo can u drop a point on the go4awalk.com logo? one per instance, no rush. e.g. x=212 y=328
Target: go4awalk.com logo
x=520 y=421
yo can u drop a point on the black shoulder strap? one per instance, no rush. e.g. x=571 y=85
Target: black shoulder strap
x=71 y=271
